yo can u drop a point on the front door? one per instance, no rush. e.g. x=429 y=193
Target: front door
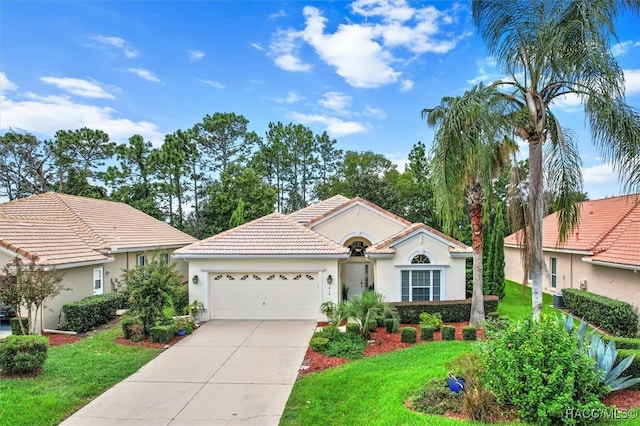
x=356 y=279
x=98 y=284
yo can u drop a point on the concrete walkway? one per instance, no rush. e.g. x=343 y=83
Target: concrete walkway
x=226 y=373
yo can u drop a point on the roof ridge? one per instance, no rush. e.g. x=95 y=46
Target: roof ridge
x=80 y=225
x=600 y=239
x=363 y=201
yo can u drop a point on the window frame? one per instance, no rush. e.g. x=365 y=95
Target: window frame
x=553 y=267
x=431 y=287
x=142 y=257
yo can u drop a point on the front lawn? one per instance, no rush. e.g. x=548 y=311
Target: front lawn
x=72 y=376
x=516 y=304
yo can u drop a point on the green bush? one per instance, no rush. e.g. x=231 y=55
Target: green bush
x=373 y=325
x=634 y=369
x=162 y=333
x=346 y=345
x=133 y=328
x=469 y=332
x=319 y=344
x=180 y=298
x=391 y=325
x=448 y=332
x=184 y=323
x=451 y=310
x=15 y=326
x=379 y=320
x=426 y=332
x=91 y=312
x=23 y=354
x=538 y=367
x=613 y=316
x=408 y=335
x=352 y=328
x=434 y=320
x=623 y=342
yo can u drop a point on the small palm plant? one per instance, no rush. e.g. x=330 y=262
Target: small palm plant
x=364 y=309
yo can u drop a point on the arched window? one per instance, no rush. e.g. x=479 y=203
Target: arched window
x=420 y=259
x=357 y=248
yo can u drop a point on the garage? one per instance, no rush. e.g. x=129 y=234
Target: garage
x=269 y=295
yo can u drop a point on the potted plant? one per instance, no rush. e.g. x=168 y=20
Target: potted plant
x=328 y=308
x=195 y=308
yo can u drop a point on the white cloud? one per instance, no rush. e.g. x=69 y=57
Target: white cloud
x=335 y=127
x=374 y=112
x=195 y=55
x=130 y=53
x=570 y=102
x=335 y=101
x=117 y=42
x=487 y=72
x=602 y=173
x=6 y=85
x=279 y=14
x=623 y=47
x=406 y=85
x=214 y=83
x=146 y=74
x=362 y=53
x=632 y=81
x=291 y=98
x=46 y=115
x=79 y=87
x=257 y=46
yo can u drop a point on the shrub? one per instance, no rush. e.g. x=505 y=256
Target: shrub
x=373 y=325
x=379 y=320
x=451 y=310
x=408 y=335
x=346 y=345
x=184 y=323
x=538 y=367
x=180 y=298
x=434 y=320
x=616 y=317
x=352 y=328
x=364 y=309
x=495 y=324
x=319 y=344
x=391 y=325
x=623 y=342
x=133 y=328
x=436 y=398
x=469 y=332
x=469 y=365
x=15 y=326
x=23 y=354
x=162 y=333
x=480 y=404
x=448 y=332
x=91 y=312
x=426 y=332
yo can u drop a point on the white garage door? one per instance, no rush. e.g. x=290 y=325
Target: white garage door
x=282 y=295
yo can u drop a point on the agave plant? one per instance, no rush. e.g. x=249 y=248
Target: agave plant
x=604 y=356
x=364 y=309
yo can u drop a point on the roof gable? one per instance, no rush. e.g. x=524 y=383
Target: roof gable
x=388 y=245
x=355 y=203
x=271 y=235
x=318 y=209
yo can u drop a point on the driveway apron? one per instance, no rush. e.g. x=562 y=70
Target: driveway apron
x=226 y=373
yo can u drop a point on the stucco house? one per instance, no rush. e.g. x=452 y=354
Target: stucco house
x=285 y=266
x=91 y=241
x=601 y=256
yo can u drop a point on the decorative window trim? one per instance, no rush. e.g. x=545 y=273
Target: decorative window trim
x=430 y=287
x=141 y=260
x=421 y=251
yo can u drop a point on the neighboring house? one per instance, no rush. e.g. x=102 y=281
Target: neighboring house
x=285 y=266
x=91 y=241
x=602 y=255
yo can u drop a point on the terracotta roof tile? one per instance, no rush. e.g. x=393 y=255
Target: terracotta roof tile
x=60 y=228
x=274 y=234
x=386 y=246
x=609 y=228
x=314 y=210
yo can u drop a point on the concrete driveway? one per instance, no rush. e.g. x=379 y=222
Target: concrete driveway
x=226 y=373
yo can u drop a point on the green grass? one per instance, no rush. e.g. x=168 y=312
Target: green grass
x=516 y=304
x=72 y=376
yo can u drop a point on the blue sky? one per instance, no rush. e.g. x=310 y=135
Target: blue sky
x=361 y=70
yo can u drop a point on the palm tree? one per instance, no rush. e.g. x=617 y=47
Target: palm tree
x=364 y=309
x=469 y=150
x=550 y=49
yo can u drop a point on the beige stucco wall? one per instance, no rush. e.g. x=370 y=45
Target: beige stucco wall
x=621 y=284
x=203 y=267
x=358 y=221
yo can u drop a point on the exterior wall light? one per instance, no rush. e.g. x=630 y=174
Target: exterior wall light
x=195 y=279
x=329 y=279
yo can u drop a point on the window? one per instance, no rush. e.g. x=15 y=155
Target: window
x=357 y=248
x=165 y=258
x=554 y=272
x=141 y=260
x=420 y=258
x=420 y=285
x=98 y=274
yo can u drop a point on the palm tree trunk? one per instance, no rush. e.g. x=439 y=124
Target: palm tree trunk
x=536 y=210
x=476 y=197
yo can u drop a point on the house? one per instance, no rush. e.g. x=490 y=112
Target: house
x=285 y=266
x=602 y=255
x=91 y=241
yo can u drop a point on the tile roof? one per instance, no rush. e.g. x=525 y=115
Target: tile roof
x=60 y=229
x=314 y=210
x=386 y=246
x=272 y=235
x=609 y=229
x=358 y=200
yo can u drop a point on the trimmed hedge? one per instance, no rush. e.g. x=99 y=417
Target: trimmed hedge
x=408 y=335
x=318 y=344
x=613 y=316
x=133 y=328
x=623 y=342
x=469 y=332
x=352 y=328
x=634 y=368
x=448 y=332
x=426 y=332
x=23 y=354
x=162 y=333
x=15 y=326
x=451 y=310
x=91 y=312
